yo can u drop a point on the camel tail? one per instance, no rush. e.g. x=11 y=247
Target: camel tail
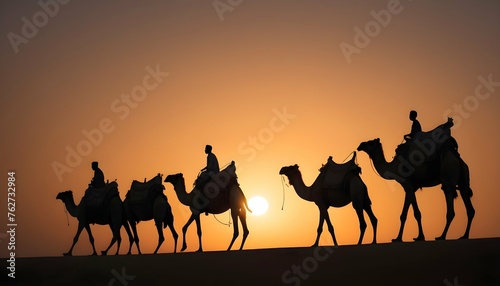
x=464 y=181
x=246 y=204
x=169 y=217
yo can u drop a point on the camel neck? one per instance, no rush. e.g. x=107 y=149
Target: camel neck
x=71 y=207
x=303 y=191
x=387 y=170
x=180 y=191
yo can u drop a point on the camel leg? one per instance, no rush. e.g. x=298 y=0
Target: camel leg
x=184 y=230
x=418 y=217
x=113 y=240
x=470 y=210
x=169 y=221
x=174 y=234
x=133 y=225
x=236 y=232
x=466 y=193
x=75 y=239
x=450 y=212
x=403 y=216
x=320 y=227
x=330 y=227
x=243 y=219
x=91 y=238
x=373 y=220
x=161 y=238
x=362 y=222
x=130 y=236
x=198 y=231
x=115 y=228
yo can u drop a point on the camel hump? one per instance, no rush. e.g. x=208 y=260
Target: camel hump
x=98 y=197
x=141 y=193
x=335 y=172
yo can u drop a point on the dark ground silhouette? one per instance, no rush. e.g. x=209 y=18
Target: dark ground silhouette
x=468 y=262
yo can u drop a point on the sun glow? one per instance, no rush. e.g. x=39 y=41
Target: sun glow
x=258 y=205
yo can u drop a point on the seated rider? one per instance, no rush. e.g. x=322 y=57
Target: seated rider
x=212 y=168
x=415 y=126
x=98 y=179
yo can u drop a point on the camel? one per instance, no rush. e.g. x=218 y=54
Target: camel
x=443 y=166
x=155 y=207
x=219 y=195
x=112 y=215
x=351 y=189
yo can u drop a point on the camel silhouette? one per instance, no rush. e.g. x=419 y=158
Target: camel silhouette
x=349 y=188
x=443 y=166
x=111 y=214
x=152 y=204
x=218 y=196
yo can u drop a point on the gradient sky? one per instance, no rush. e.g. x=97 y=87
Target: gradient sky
x=230 y=72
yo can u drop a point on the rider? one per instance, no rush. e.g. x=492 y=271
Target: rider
x=98 y=179
x=415 y=126
x=212 y=167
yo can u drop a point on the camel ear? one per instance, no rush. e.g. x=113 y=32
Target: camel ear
x=377 y=139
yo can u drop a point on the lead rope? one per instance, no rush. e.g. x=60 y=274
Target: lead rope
x=375 y=170
x=349 y=156
x=228 y=220
x=283 y=188
x=66 y=211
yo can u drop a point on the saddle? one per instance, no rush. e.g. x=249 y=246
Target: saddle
x=334 y=173
x=99 y=197
x=427 y=145
x=217 y=183
x=141 y=193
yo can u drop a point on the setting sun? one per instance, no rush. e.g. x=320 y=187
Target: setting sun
x=258 y=205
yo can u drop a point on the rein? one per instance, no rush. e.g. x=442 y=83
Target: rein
x=223 y=223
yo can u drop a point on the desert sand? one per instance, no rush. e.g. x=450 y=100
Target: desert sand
x=450 y=263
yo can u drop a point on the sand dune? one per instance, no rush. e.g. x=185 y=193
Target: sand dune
x=450 y=263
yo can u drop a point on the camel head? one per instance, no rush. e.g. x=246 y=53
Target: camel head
x=290 y=171
x=64 y=195
x=173 y=178
x=370 y=146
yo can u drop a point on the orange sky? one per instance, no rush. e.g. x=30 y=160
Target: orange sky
x=222 y=76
